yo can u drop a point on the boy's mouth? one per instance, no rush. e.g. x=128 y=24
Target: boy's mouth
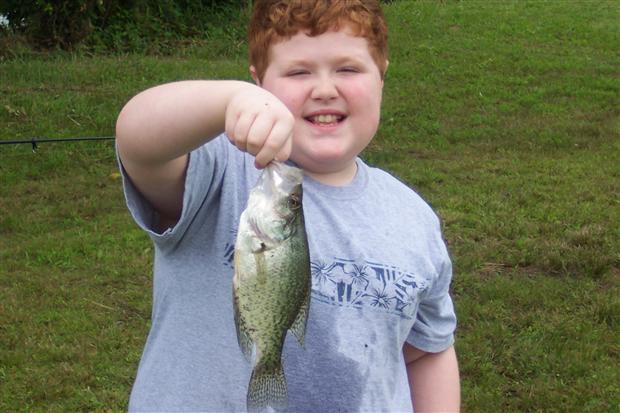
x=325 y=119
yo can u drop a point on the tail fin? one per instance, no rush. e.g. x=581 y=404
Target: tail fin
x=267 y=388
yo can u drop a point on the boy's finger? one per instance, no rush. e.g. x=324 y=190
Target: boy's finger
x=241 y=130
x=286 y=150
x=258 y=134
x=230 y=122
x=266 y=155
x=276 y=146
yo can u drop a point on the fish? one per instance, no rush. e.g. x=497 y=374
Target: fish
x=271 y=281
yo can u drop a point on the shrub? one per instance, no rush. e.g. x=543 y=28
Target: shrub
x=114 y=24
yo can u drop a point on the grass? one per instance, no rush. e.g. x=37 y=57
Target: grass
x=504 y=116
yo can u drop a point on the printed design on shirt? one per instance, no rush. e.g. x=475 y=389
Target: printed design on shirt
x=229 y=254
x=348 y=283
x=229 y=248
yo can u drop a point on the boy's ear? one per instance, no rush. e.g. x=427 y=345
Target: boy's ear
x=387 y=64
x=254 y=75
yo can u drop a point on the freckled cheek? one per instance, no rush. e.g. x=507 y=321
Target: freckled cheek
x=295 y=105
x=292 y=102
x=289 y=95
x=365 y=96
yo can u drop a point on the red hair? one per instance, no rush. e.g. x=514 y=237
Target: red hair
x=276 y=20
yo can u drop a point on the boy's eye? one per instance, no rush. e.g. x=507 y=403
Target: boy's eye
x=348 y=69
x=297 y=72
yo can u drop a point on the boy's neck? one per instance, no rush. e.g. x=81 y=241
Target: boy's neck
x=339 y=178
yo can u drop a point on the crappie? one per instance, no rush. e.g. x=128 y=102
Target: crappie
x=271 y=284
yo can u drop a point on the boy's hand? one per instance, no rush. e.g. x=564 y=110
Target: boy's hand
x=259 y=123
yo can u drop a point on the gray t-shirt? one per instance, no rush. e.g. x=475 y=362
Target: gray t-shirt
x=380 y=277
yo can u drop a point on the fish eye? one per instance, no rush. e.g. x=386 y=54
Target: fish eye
x=293 y=202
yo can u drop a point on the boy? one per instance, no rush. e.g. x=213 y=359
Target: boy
x=380 y=329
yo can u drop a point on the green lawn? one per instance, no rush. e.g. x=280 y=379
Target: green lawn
x=505 y=116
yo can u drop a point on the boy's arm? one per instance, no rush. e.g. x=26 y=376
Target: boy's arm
x=433 y=380
x=157 y=129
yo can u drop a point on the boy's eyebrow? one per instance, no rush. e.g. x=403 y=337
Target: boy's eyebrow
x=338 y=61
x=349 y=59
x=299 y=62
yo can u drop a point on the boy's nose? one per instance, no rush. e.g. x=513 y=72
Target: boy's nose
x=324 y=88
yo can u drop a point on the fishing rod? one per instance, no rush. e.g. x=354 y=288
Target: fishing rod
x=35 y=141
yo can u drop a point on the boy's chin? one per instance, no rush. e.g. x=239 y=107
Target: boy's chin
x=326 y=153
x=323 y=162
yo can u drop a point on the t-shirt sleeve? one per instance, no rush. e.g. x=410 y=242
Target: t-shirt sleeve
x=433 y=329
x=202 y=179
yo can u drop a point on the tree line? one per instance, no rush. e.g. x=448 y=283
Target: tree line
x=115 y=24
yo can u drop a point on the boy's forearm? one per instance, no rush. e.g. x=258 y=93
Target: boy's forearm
x=158 y=128
x=434 y=382
x=170 y=120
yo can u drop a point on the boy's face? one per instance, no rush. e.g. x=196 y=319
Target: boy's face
x=333 y=87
